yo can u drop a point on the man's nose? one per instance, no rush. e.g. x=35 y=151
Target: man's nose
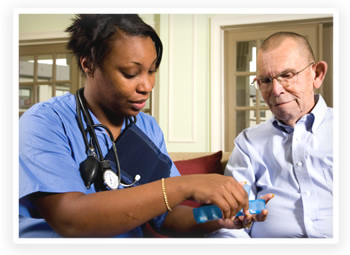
x=277 y=87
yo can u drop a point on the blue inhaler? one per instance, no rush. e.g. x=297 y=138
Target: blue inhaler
x=212 y=212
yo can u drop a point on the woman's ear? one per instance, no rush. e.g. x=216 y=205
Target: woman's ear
x=87 y=67
x=320 y=73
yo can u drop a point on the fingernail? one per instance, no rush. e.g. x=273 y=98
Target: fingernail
x=248 y=226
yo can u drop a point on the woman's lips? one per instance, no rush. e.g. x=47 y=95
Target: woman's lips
x=139 y=105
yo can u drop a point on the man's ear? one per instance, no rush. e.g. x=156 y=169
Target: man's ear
x=320 y=73
x=87 y=67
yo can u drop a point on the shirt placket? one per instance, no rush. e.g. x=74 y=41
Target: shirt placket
x=307 y=191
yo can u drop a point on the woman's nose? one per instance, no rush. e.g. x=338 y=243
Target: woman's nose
x=146 y=84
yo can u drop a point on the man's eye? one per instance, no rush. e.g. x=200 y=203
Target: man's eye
x=287 y=75
x=265 y=80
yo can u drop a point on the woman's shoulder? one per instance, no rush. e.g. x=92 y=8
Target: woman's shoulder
x=148 y=125
x=54 y=103
x=55 y=111
x=144 y=120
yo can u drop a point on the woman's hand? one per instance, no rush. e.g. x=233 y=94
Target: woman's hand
x=246 y=220
x=223 y=191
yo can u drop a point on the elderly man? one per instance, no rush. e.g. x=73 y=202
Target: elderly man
x=290 y=155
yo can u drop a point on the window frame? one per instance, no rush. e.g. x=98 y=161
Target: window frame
x=52 y=47
x=55 y=47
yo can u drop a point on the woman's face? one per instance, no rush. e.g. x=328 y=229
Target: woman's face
x=127 y=76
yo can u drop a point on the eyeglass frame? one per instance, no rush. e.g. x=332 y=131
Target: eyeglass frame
x=256 y=79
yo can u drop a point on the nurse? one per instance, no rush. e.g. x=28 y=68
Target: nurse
x=119 y=55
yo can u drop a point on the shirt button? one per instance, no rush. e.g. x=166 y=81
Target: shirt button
x=309 y=222
x=299 y=164
x=308 y=193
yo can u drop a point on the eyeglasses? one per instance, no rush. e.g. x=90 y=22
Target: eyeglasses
x=286 y=79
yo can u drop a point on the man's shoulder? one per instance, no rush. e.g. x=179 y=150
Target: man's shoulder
x=260 y=129
x=257 y=133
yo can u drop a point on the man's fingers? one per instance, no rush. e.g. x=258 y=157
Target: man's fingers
x=248 y=220
x=261 y=216
x=268 y=197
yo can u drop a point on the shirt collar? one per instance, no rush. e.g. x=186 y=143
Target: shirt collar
x=312 y=119
x=282 y=127
x=319 y=112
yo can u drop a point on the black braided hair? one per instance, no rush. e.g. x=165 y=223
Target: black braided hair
x=91 y=35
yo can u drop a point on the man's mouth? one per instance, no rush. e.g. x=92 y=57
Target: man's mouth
x=281 y=103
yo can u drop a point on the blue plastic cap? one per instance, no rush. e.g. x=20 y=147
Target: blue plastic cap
x=255 y=207
x=206 y=213
x=246 y=187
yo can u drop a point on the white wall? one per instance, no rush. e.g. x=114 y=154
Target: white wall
x=184 y=82
x=188 y=96
x=42 y=26
x=181 y=96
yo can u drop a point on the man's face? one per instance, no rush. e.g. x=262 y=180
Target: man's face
x=287 y=103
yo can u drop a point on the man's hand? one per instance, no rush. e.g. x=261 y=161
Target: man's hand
x=246 y=220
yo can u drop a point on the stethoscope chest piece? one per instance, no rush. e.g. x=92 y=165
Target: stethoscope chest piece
x=110 y=178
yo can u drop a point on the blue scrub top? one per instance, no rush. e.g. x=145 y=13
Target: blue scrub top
x=51 y=148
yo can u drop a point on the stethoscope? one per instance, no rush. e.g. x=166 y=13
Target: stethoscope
x=95 y=166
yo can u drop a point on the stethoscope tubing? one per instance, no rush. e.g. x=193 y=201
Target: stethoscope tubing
x=90 y=127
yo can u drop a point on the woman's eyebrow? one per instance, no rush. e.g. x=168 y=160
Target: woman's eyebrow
x=138 y=63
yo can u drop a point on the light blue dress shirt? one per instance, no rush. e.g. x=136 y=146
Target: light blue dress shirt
x=295 y=164
x=51 y=148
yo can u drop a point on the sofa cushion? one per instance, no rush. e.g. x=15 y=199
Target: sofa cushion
x=202 y=165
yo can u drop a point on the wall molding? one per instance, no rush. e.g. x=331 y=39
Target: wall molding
x=43 y=37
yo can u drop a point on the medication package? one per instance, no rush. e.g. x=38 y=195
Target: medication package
x=212 y=212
